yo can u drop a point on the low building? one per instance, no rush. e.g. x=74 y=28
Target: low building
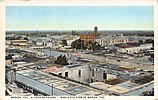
x=76 y=72
x=46 y=84
x=19 y=43
x=110 y=40
x=123 y=60
x=126 y=88
x=70 y=38
x=131 y=49
x=44 y=42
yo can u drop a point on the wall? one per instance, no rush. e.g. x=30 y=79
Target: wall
x=73 y=73
x=87 y=37
x=86 y=73
x=39 y=86
x=132 y=50
x=110 y=76
x=112 y=40
x=98 y=74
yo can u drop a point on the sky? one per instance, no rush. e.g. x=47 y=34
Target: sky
x=79 y=17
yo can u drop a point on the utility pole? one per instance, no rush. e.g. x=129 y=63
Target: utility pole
x=52 y=90
x=81 y=45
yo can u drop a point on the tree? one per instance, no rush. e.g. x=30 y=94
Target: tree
x=95 y=46
x=64 y=42
x=26 y=38
x=149 y=41
x=79 y=44
x=64 y=60
x=61 y=60
x=140 y=41
x=8 y=57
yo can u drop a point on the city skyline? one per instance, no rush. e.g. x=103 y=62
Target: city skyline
x=79 y=17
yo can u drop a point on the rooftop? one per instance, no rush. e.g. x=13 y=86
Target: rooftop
x=73 y=65
x=113 y=81
x=118 y=89
x=127 y=68
x=90 y=33
x=100 y=85
x=143 y=79
x=51 y=69
x=59 y=83
x=128 y=85
x=113 y=37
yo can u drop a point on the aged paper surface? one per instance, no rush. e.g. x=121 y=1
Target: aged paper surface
x=80 y=3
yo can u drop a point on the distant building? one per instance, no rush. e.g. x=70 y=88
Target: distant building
x=44 y=42
x=112 y=40
x=131 y=49
x=96 y=30
x=70 y=38
x=87 y=37
x=19 y=42
x=73 y=32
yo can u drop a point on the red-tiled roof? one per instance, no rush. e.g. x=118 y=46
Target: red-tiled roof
x=51 y=69
x=76 y=54
x=127 y=46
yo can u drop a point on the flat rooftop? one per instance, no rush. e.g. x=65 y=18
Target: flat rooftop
x=128 y=85
x=59 y=83
x=100 y=85
x=113 y=81
x=143 y=79
x=118 y=89
x=73 y=65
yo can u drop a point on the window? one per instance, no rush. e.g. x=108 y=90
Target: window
x=90 y=68
x=91 y=80
x=92 y=72
x=66 y=74
x=60 y=74
x=118 y=60
x=79 y=73
x=104 y=75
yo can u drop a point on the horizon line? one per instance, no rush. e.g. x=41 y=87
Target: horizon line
x=78 y=30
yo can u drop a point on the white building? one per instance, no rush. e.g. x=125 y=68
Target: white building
x=75 y=72
x=133 y=49
x=44 y=42
x=85 y=73
x=19 y=42
x=70 y=38
x=109 y=40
